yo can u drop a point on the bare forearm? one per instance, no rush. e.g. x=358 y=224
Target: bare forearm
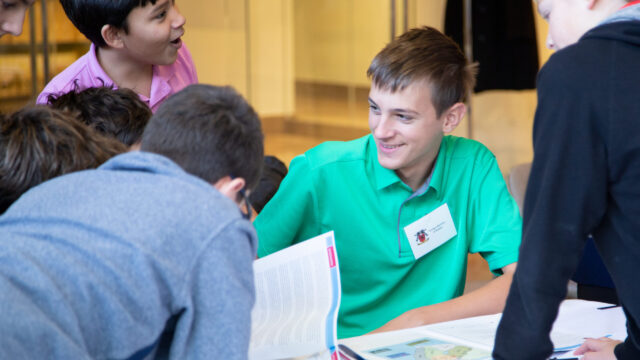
x=489 y=299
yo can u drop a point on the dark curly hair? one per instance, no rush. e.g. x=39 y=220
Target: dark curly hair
x=116 y=113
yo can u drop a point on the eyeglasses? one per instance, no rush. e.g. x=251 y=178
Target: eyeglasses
x=247 y=212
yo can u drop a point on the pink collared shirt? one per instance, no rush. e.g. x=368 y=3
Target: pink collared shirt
x=86 y=72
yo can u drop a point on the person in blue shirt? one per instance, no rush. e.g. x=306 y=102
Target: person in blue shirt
x=147 y=256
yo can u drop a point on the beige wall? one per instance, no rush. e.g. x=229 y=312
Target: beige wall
x=215 y=35
x=271 y=57
x=264 y=49
x=428 y=13
x=245 y=44
x=336 y=39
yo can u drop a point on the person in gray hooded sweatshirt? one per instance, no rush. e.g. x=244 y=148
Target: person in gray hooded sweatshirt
x=585 y=176
x=147 y=256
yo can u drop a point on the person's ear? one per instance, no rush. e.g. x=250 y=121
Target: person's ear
x=230 y=187
x=135 y=146
x=112 y=36
x=453 y=116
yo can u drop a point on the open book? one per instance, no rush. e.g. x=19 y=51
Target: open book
x=473 y=338
x=297 y=301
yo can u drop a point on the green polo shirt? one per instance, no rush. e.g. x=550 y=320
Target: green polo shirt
x=340 y=186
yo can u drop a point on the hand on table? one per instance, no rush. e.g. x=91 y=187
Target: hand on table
x=597 y=349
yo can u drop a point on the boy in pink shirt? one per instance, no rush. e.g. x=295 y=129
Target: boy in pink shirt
x=136 y=44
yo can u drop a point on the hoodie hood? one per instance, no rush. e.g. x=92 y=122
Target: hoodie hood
x=623 y=25
x=629 y=13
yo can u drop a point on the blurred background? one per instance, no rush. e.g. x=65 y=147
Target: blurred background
x=302 y=64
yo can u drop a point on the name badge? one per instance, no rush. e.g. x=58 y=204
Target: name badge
x=430 y=231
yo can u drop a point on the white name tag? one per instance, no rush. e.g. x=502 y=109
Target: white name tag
x=430 y=231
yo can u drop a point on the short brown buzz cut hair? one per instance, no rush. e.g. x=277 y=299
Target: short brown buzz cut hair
x=425 y=54
x=209 y=131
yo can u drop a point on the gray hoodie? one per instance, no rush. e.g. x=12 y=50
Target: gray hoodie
x=134 y=260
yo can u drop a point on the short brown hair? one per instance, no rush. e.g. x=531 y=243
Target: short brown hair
x=425 y=54
x=38 y=143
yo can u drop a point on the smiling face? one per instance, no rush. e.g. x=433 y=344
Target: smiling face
x=154 y=33
x=407 y=130
x=12 y=16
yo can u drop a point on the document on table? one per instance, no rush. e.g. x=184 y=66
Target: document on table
x=576 y=320
x=589 y=319
x=297 y=300
x=482 y=330
x=427 y=348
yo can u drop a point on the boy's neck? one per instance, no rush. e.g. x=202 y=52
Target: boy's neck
x=606 y=9
x=124 y=71
x=416 y=177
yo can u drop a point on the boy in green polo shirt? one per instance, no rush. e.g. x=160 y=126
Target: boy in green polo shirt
x=407 y=203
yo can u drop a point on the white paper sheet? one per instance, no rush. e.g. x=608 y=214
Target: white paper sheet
x=297 y=298
x=576 y=320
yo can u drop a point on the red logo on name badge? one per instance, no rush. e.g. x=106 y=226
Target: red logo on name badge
x=422 y=237
x=332 y=257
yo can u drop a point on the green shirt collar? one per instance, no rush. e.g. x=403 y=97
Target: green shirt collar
x=437 y=176
x=385 y=177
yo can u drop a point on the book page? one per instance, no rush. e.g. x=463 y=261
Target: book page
x=415 y=343
x=588 y=319
x=426 y=348
x=297 y=300
x=591 y=319
x=481 y=331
